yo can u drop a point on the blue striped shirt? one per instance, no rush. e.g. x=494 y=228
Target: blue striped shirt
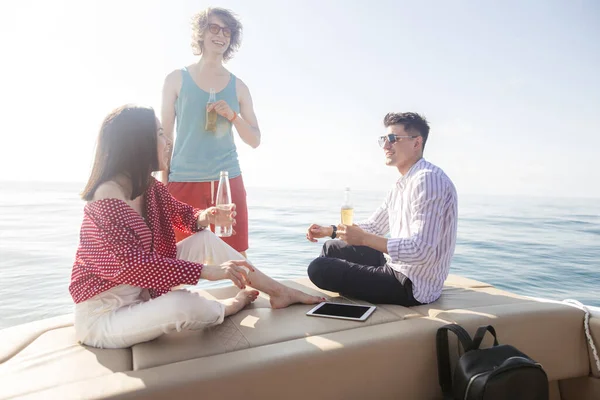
x=420 y=214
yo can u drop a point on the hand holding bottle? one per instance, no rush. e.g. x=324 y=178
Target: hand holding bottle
x=223 y=215
x=220 y=216
x=351 y=234
x=222 y=108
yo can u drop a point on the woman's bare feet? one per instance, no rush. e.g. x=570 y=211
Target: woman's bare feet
x=241 y=300
x=290 y=296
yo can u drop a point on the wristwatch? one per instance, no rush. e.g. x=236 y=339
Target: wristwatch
x=334 y=231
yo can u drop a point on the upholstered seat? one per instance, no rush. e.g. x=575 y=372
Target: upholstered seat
x=273 y=354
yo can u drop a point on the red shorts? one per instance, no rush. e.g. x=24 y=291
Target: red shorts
x=198 y=194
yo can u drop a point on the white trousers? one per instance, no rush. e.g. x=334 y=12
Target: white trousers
x=125 y=315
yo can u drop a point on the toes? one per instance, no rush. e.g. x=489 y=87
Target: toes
x=252 y=295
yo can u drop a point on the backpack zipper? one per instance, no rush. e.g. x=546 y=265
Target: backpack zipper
x=471 y=382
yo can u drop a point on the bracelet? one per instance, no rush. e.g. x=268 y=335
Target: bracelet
x=334 y=231
x=234 y=117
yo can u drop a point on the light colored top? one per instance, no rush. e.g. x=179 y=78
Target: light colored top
x=199 y=155
x=420 y=213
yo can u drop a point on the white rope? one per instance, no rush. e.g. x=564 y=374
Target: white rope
x=586 y=323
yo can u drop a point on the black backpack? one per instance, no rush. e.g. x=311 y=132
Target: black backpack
x=496 y=373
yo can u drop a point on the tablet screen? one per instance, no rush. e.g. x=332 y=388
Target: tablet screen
x=341 y=310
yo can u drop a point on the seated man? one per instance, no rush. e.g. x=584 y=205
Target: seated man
x=419 y=213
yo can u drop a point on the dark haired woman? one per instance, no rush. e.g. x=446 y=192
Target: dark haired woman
x=128 y=265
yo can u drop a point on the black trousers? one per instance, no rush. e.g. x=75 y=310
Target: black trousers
x=360 y=272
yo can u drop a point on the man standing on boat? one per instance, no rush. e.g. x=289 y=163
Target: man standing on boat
x=420 y=215
x=200 y=152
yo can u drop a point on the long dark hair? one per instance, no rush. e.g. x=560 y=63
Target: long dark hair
x=126 y=145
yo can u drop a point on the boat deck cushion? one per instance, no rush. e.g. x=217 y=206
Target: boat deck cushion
x=252 y=327
x=55 y=358
x=16 y=338
x=265 y=353
x=454 y=298
x=385 y=361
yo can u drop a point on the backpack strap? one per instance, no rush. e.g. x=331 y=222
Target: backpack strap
x=478 y=338
x=443 y=354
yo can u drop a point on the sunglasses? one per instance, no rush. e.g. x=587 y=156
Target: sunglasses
x=215 y=29
x=391 y=138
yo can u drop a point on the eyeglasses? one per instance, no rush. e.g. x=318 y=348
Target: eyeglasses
x=391 y=138
x=215 y=29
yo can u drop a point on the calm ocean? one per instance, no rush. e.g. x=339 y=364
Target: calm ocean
x=532 y=246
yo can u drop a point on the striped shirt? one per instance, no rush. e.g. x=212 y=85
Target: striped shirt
x=420 y=214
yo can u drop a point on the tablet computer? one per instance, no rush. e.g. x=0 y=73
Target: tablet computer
x=353 y=312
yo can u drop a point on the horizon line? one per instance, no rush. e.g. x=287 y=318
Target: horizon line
x=327 y=189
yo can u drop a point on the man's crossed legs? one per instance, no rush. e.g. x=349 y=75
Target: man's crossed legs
x=360 y=272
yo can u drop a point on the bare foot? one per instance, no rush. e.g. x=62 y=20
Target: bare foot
x=290 y=296
x=241 y=300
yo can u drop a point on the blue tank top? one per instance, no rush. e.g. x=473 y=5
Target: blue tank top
x=199 y=155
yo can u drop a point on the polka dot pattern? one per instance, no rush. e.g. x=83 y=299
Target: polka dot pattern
x=116 y=246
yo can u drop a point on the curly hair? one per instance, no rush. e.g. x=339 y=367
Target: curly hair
x=200 y=25
x=410 y=121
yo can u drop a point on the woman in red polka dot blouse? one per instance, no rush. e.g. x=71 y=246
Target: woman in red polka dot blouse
x=128 y=266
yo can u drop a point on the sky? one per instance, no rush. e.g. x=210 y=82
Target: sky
x=511 y=89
